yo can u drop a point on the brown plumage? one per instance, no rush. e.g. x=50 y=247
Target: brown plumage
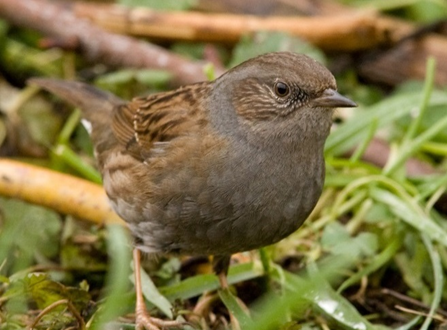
x=215 y=167
x=159 y=118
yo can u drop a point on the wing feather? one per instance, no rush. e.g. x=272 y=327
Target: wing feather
x=141 y=123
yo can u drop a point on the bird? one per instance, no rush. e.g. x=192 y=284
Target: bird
x=215 y=167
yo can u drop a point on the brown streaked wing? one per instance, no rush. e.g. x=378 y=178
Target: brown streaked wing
x=159 y=118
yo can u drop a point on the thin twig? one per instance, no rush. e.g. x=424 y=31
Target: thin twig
x=410 y=300
x=49 y=308
x=412 y=311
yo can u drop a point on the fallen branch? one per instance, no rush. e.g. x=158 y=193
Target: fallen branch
x=342 y=32
x=348 y=30
x=61 y=192
x=97 y=45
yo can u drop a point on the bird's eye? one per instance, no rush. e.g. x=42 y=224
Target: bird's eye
x=281 y=89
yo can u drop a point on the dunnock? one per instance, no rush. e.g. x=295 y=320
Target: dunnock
x=215 y=167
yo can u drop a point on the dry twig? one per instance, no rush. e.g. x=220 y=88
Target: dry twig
x=53 y=306
x=97 y=45
x=341 y=32
x=392 y=63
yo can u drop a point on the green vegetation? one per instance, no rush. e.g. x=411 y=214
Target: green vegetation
x=373 y=255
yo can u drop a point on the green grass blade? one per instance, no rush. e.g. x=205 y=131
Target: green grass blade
x=271 y=310
x=412 y=147
x=70 y=125
x=75 y=162
x=328 y=301
x=117 y=275
x=377 y=261
x=234 y=308
x=360 y=150
x=410 y=325
x=195 y=286
x=152 y=294
x=435 y=148
x=309 y=291
x=408 y=210
x=385 y=112
x=439 y=280
x=428 y=88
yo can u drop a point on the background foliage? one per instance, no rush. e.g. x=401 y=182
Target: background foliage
x=373 y=255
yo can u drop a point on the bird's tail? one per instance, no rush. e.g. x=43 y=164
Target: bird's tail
x=96 y=105
x=97 y=109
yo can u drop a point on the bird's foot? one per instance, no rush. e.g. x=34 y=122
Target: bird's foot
x=145 y=322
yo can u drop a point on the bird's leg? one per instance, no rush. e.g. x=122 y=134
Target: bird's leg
x=220 y=266
x=222 y=276
x=142 y=319
x=202 y=308
x=208 y=299
x=223 y=281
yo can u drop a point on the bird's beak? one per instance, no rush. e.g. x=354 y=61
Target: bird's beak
x=332 y=99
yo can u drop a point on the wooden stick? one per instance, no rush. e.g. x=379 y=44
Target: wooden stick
x=61 y=192
x=349 y=30
x=55 y=19
x=343 y=32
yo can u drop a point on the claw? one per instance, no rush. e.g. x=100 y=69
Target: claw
x=143 y=321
